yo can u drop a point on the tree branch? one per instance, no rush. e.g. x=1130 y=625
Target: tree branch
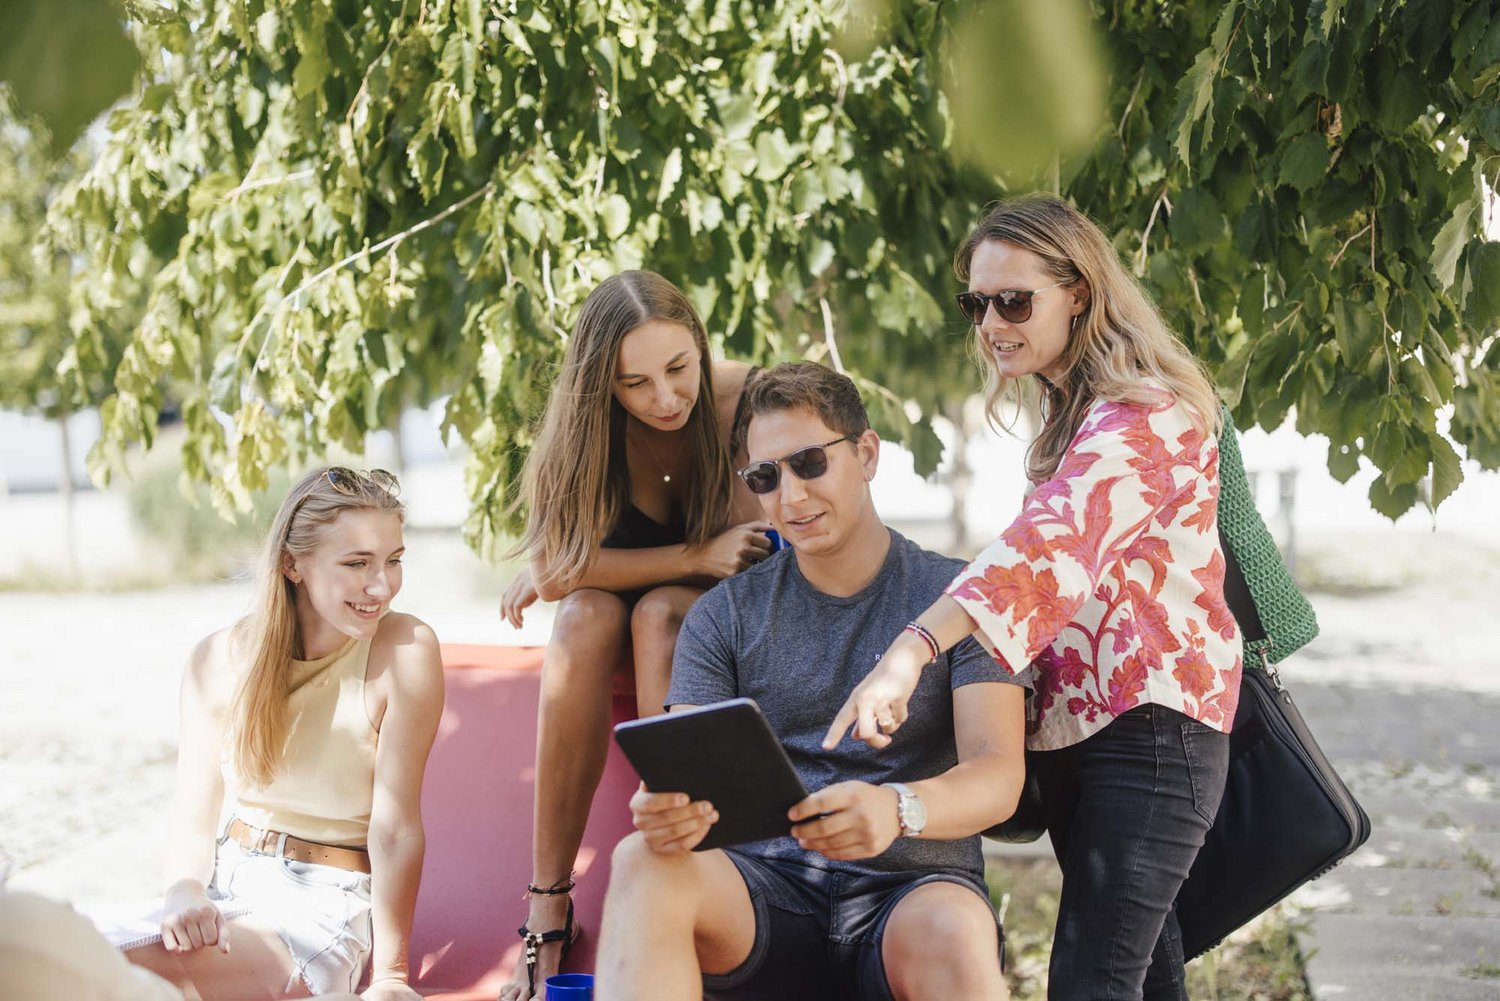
x=268 y=311
x=833 y=347
x=1339 y=256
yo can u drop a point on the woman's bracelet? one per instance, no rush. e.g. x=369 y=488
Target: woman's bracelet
x=926 y=636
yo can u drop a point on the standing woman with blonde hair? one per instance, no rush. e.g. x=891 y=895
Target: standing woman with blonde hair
x=633 y=511
x=1110 y=584
x=314 y=714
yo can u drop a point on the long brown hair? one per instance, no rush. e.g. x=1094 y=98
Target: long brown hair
x=1117 y=347
x=270 y=636
x=576 y=481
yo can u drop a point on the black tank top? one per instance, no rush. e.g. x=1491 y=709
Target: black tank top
x=635 y=529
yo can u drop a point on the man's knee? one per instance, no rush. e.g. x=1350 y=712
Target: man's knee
x=634 y=866
x=942 y=931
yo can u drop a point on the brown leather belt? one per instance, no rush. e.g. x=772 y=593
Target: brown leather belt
x=262 y=842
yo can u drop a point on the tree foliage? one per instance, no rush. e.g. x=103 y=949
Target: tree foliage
x=342 y=207
x=44 y=367
x=1312 y=183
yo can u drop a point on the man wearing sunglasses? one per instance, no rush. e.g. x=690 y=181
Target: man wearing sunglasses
x=878 y=889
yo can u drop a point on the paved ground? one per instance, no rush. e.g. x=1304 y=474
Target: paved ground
x=1400 y=689
x=1415 y=914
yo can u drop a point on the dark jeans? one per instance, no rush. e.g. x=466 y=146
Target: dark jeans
x=1127 y=810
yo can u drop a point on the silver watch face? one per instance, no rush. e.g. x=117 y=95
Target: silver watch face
x=913 y=813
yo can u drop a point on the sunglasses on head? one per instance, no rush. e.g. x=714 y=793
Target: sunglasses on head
x=807 y=463
x=1012 y=306
x=346 y=480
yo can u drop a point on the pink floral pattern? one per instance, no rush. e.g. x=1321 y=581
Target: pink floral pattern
x=1111 y=580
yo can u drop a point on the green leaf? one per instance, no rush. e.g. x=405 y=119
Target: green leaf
x=1451 y=240
x=527 y=221
x=1195 y=93
x=773 y=155
x=1197 y=220
x=1343 y=462
x=1252 y=305
x=1447 y=471
x=1331 y=10
x=1455 y=234
x=1390 y=501
x=616 y=216
x=267 y=30
x=1305 y=161
x=312 y=66
x=737 y=116
x=1483 y=303
x=671 y=173
x=1354 y=328
x=1231 y=377
x=1197 y=89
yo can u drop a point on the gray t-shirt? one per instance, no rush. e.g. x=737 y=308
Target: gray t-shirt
x=769 y=635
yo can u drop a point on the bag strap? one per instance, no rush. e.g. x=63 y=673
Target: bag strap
x=1242 y=607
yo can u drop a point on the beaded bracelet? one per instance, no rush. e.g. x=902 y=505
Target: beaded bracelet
x=926 y=635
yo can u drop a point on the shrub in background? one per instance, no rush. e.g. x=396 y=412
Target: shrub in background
x=177 y=516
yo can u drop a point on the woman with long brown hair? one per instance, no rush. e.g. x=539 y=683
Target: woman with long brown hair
x=314 y=716
x=633 y=510
x=1109 y=584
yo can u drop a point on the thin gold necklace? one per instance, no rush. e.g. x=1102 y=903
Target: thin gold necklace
x=666 y=477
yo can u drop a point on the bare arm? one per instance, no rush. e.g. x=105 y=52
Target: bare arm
x=414 y=706
x=888 y=686
x=725 y=554
x=620 y=570
x=189 y=920
x=853 y=820
x=989 y=726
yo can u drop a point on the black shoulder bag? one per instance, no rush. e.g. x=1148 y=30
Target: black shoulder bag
x=1286 y=816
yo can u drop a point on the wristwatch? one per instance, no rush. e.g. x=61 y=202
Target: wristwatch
x=909 y=810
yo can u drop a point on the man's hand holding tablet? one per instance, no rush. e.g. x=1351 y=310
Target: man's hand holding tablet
x=718 y=761
x=848 y=820
x=669 y=821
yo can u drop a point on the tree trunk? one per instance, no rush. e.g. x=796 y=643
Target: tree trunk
x=961 y=479
x=65 y=488
x=398 y=450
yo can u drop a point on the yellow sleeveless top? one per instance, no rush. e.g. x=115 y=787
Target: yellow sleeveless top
x=325 y=786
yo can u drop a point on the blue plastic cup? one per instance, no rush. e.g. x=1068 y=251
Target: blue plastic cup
x=777 y=542
x=571 y=987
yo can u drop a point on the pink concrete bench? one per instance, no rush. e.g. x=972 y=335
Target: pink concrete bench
x=476 y=805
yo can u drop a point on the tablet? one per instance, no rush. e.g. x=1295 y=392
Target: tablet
x=724 y=753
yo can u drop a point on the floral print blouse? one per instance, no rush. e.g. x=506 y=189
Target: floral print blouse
x=1111 y=580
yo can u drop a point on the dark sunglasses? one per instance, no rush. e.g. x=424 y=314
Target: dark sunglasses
x=1013 y=306
x=807 y=463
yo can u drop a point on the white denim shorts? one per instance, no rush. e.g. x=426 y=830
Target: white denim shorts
x=322 y=913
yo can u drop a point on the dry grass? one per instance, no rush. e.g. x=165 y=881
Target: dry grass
x=1261 y=962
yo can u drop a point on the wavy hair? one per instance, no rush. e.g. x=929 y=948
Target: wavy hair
x=576 y=482
x=1118 y=347
x=270 y=636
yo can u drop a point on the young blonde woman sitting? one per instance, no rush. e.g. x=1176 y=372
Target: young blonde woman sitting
x=316 y=712
x=634 y=510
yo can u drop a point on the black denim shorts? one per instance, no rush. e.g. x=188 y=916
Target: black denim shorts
x=818 y=932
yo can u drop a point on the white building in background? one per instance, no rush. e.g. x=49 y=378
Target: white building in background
x=31 y=450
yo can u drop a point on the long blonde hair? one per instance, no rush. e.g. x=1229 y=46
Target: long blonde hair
x=1117 y=347
x=270 y=636
x=576 y=481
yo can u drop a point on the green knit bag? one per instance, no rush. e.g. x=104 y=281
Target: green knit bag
x=1285 y=614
